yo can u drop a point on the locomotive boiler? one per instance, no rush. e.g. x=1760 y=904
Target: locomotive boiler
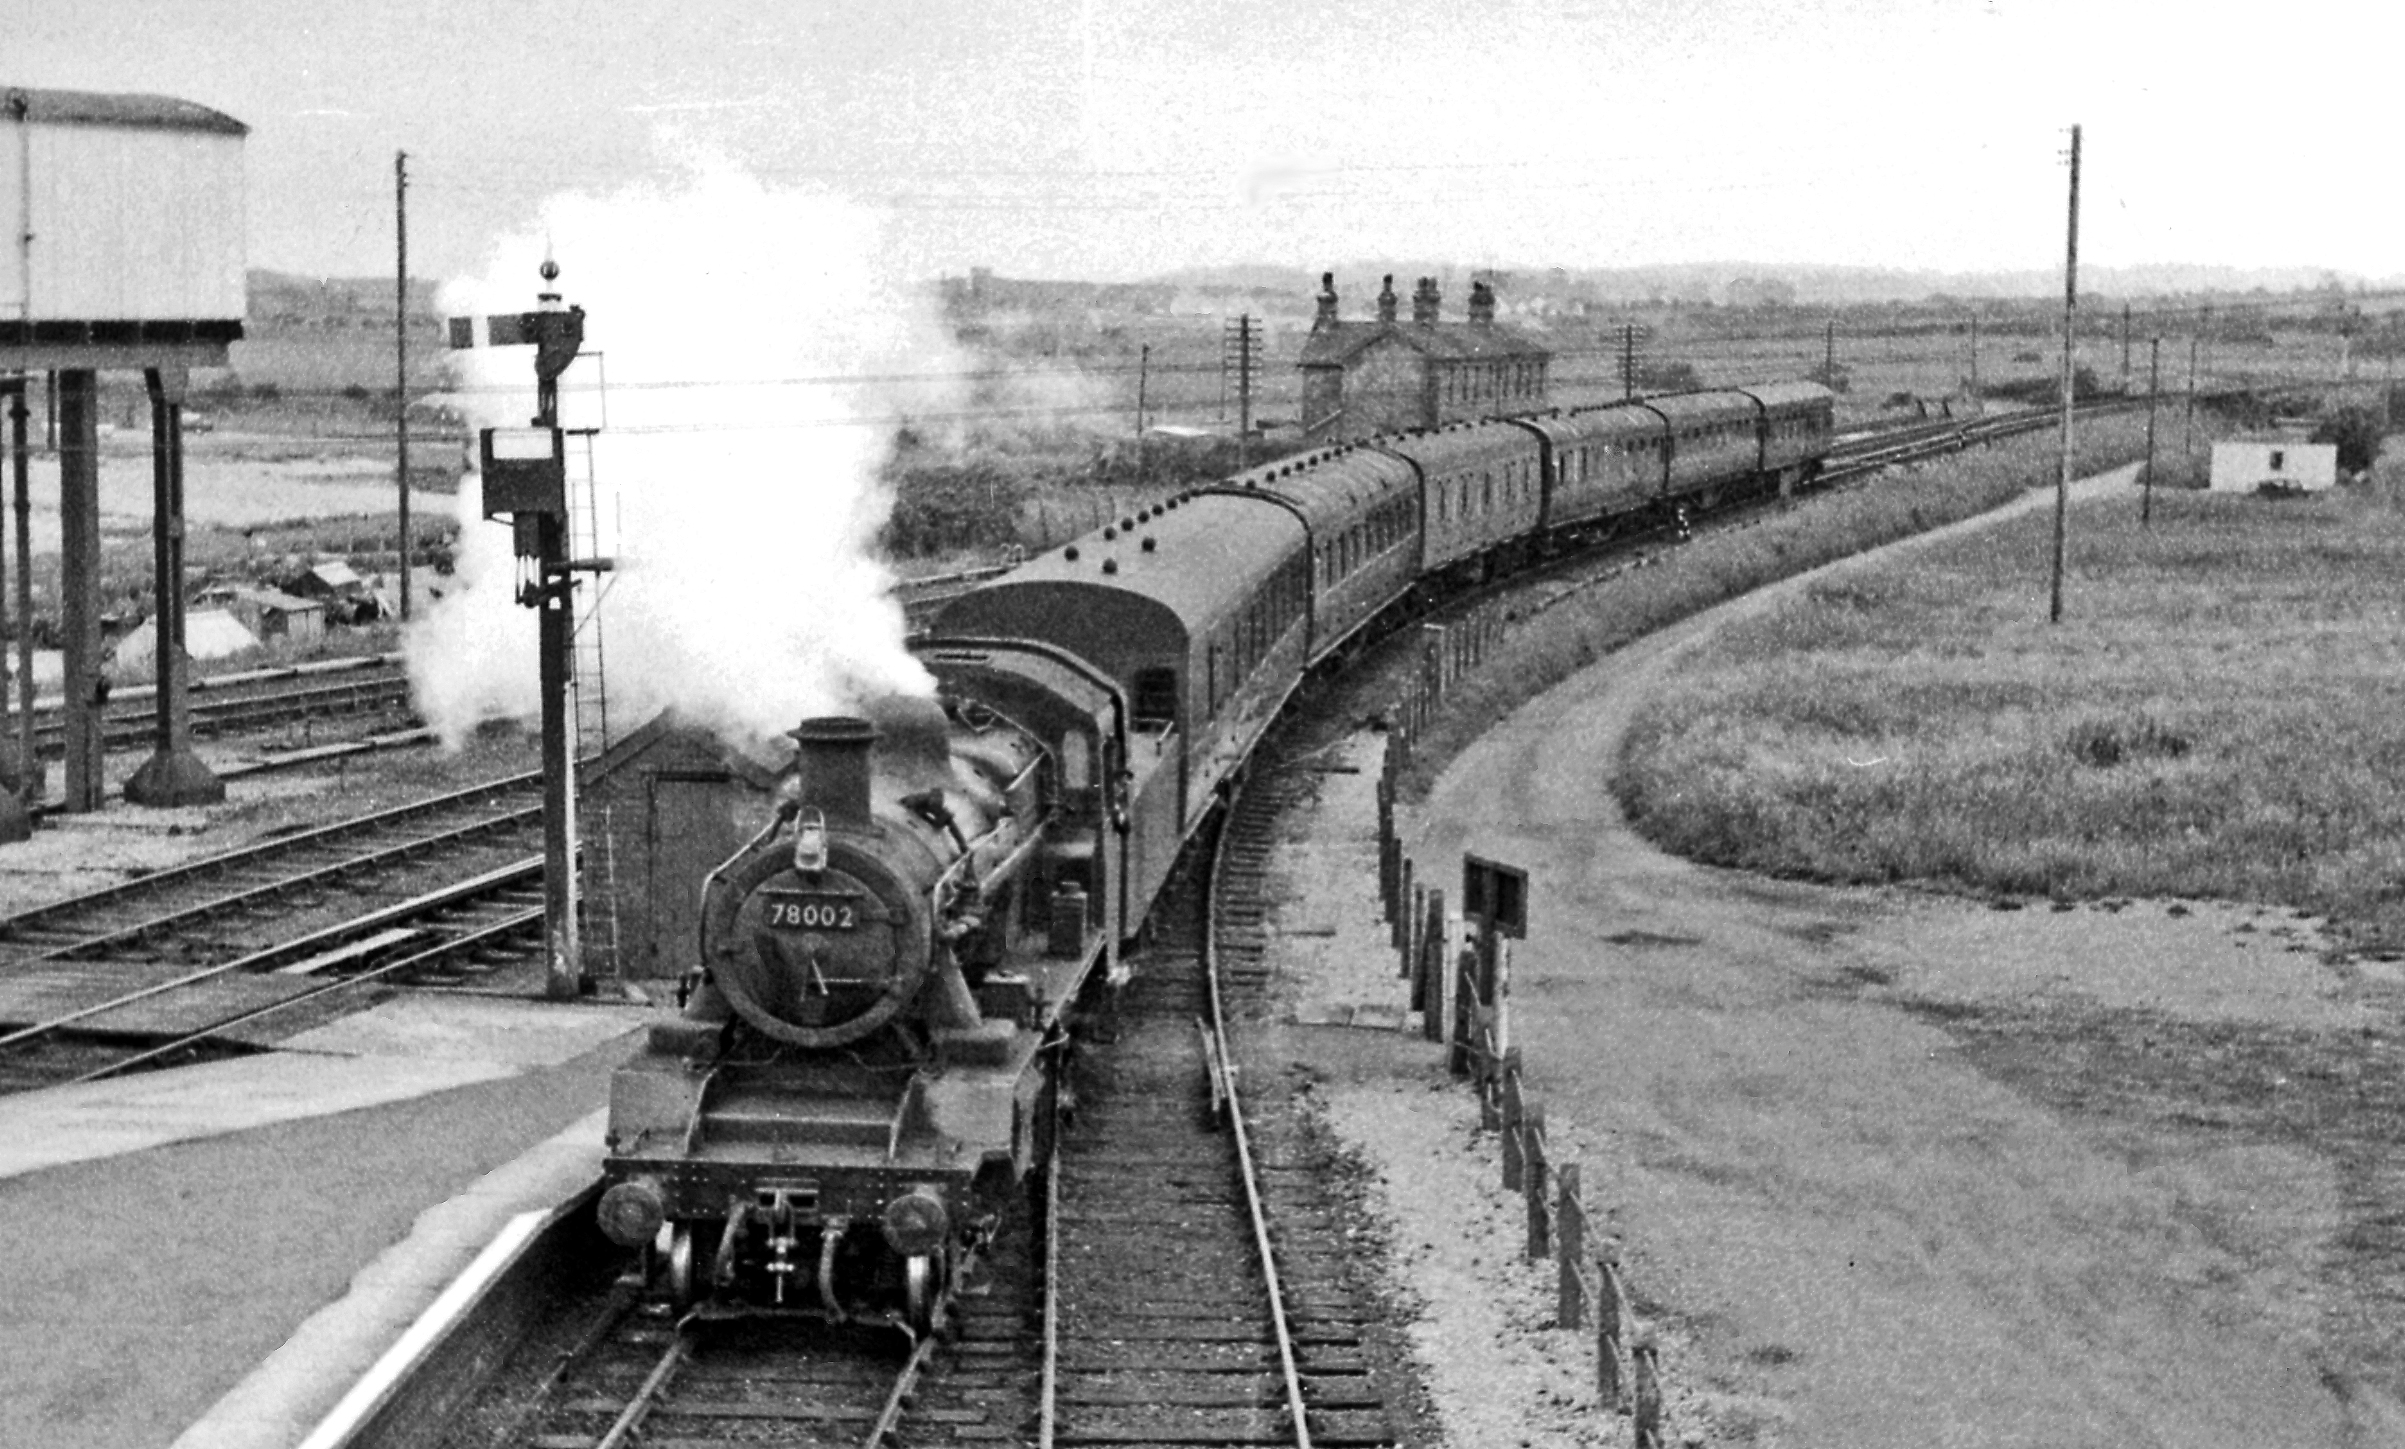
x=861 y=1070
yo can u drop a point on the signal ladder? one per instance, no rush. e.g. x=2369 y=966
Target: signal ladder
x=591 y=535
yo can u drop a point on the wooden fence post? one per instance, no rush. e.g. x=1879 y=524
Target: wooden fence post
x=1648 y=1375
x=1464 y=990
x=1405 y=902
x=1432 y=971
x=1608 y=1301
x=1537 y=1183
x=1569 y=1249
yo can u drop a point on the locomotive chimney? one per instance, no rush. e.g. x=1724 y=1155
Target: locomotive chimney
x=1482 y=304
x=1386 y=300
x=1424 y=301
x=1327 y=302
x=832 y=757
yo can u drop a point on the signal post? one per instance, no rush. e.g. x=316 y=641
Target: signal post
x=526 y=478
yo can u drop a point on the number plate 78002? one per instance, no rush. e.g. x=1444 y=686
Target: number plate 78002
x=811 y=911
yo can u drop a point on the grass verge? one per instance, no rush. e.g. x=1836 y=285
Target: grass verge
x=2218 y=715
x=1541 y=652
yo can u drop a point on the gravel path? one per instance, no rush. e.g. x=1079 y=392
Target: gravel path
x=1849 y=1229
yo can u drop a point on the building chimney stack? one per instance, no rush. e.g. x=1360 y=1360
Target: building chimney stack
x=1424 y=301
x=1386 y=300
x=1482 y=304
x=1327 y=302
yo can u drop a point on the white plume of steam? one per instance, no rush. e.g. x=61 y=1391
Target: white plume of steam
x=741 y=332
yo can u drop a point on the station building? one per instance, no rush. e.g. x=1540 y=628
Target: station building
x=1387 y=375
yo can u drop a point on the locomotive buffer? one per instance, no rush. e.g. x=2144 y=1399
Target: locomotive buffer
x=526 y=478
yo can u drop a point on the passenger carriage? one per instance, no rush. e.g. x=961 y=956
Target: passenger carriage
x=1360 y=508
x=1481 y=491
x=1602 y=464
x=1198 y=612
x=1796 y=421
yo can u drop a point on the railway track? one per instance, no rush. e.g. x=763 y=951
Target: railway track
x=1130 y=1307
x=254 y=700
x=235 y=950
x=1206 y=1292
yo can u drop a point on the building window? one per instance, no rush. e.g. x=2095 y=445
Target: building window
x=2279 y=460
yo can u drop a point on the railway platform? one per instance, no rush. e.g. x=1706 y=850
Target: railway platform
x=209 y=1256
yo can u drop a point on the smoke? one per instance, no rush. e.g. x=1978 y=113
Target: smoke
x=741 y=346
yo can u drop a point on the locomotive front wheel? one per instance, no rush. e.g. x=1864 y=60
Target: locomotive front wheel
x=920 y=1283
x=688 y=1267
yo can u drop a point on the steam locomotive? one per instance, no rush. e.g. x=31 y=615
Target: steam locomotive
x=888 y=970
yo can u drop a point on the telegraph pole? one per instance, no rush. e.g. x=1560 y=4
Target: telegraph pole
x=1974 y=357
x=1244 y=391
x=1828 y=356
x=2125 y=347
x=2062 y=485
x=2188 y=426
x=1143 y=375
x=400 y=337
x=1628 y=359
x=2154 y=384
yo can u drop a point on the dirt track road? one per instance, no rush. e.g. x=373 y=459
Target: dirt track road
x=1863 y=1234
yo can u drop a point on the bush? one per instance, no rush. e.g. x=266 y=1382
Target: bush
x=939 y=507
x=2044 y=391
x=1668 y=377
x=2356 y=431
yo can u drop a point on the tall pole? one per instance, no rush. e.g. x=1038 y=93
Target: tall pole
x=2062 y=483
x=1628 y=359
x=1974 y=357
x=2188 y=425
x=1244 y=390
x=1828 y=356
x=2125 y=347
x=24 y=510
x=400 y=339
x=1143 y=375
x=2154 y=384
x=555 y=598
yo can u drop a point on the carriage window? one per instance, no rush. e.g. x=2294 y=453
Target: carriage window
x=1156 y=699
x=1077 y=761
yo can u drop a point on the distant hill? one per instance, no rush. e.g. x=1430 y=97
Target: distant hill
x=1805 y=285
x=282 y=301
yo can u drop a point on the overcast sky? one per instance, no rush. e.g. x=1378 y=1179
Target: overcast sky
x=1115 y=138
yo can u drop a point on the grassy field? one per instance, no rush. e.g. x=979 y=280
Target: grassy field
x=2218 y=715
x=1539 y=653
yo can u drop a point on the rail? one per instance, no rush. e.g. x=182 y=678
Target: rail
x=1234 y=1106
